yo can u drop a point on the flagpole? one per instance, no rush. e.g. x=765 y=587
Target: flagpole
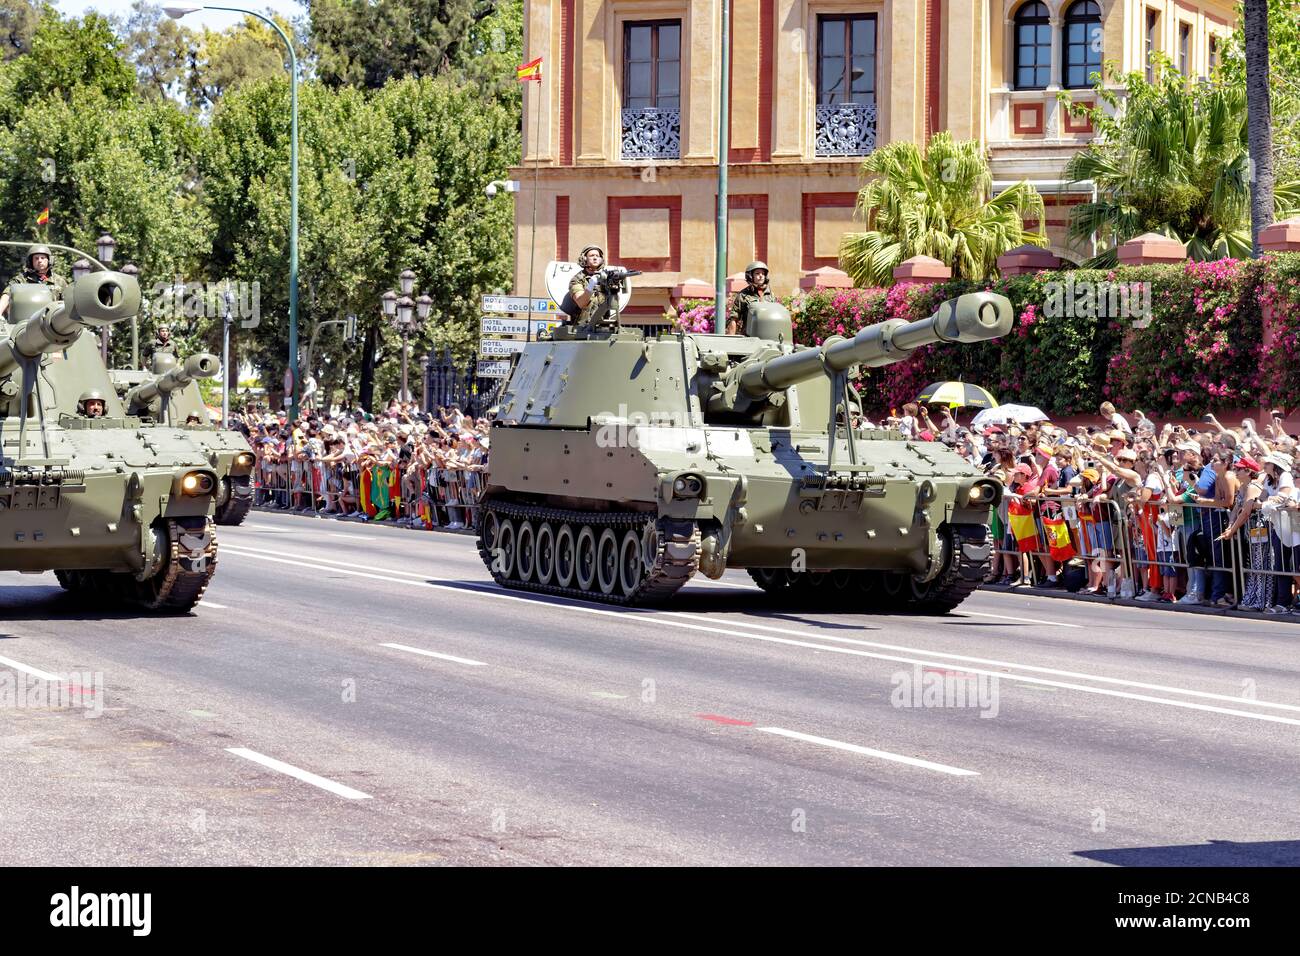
x=537 y=167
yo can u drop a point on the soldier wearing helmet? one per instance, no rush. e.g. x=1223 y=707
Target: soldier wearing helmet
x=37 y=268
x=91 y=404
x=757 y=291
x=584 y=288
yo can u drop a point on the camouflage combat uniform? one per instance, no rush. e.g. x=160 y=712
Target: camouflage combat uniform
x=597 y=308
x=51 y=279
x=742 y=300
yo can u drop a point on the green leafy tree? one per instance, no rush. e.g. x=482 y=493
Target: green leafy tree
x=934 y=202
x=18 y=19
x=1170 y=157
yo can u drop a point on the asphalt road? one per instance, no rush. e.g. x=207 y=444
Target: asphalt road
x=357 y=694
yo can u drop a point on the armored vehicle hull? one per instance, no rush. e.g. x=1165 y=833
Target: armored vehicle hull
x=228 y=451
x=113 y=508
x=620 y=467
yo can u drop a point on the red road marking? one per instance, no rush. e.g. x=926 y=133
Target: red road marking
x=729 y=721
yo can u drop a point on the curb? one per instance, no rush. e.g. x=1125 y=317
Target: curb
x=267 y=509
x=1062 y=595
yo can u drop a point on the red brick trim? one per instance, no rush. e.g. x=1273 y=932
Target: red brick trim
x=933 y=24
x=811 y=203
x=613 y=213
x=566 y=83
x=1076 y=124
x=766 y=71
x=1027 y=117
x=759 y=203
x=562 y=228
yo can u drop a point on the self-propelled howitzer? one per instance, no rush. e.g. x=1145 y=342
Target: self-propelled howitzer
x=114 y=509
x=141 y=397
x=621 y=465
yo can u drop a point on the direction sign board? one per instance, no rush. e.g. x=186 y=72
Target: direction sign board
x=500 y=325
x=495 y=348
x=512 y=304
x=498 y=368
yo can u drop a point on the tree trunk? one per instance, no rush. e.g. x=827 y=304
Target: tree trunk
x=367 y=388
x=1259 y=119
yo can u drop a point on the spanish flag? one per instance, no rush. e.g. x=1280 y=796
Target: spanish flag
x=1021 y=519
x=44 y=217
x=531 y=70
x=1057 y=533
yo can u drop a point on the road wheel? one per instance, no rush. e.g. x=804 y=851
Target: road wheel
x=566 y=561
x=503 y=555
x=631 y=565
x=544 y=551
x=525 y=551
x=489 y=534
x=607 y=561
x=585 y=550
x=771 y=580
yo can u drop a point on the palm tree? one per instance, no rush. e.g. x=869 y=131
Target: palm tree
x=1170 y=157
x=1259 y=120
x=935 y=203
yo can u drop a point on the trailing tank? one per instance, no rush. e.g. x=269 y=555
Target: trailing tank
x=169 y=395
x=621 y=466
x=114 y=509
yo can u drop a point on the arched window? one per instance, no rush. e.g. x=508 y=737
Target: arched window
x=1082 y=43
x=1033 y=47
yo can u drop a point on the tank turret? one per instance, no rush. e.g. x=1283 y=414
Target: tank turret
x=202 y=365
x=94 y=301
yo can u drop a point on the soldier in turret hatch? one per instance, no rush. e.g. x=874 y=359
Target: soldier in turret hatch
x=585 y=288
x=758 y=290
x=91 y=404
x=36 y=269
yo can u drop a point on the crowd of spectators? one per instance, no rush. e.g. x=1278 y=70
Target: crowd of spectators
x=1198 y=514
x=418 y=467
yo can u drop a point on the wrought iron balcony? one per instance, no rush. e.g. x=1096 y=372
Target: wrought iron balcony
x=846 y=129
x=652 y=133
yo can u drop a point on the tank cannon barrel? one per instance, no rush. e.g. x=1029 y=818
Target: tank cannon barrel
x=202 y=365
x=974 y=317
x=93 y=301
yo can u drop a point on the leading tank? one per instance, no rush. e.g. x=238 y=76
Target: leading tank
x=114 y=509
x=621 y=466
x=168 y=395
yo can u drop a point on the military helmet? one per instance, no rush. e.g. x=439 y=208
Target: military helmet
x=587 y=248
x=754 y=267
x=37 y=250
x=91 y=394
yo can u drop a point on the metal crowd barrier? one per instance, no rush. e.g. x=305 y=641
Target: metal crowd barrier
x=431 y=497
x=1169 y=548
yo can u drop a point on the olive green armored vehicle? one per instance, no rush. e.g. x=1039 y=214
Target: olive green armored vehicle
x=115 y=509
x=623 y=465
x=169 y=396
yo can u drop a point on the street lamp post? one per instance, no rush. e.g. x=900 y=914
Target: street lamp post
x=176 y=11
x=398 y=311
x=133 y=270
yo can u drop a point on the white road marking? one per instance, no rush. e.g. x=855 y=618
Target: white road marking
x=207 y=603
x=42 y=675
x=387 y=578
x=441 y=657
x=709 y=583
x=869 y=752
x=1006 y=617
x=299 y=774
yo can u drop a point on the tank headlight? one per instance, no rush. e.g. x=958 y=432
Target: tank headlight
x=688 y=486
x=197 y=483
x=983 y=493
x=244 y=459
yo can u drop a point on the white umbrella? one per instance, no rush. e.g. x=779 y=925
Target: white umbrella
x=1009 y=413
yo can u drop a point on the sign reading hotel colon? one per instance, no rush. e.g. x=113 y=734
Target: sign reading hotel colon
x=510 y=304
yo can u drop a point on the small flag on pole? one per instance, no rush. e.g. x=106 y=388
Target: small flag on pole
x=44 y=217
x=531 y=70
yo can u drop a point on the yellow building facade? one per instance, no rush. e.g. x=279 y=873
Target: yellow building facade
x=621 y=135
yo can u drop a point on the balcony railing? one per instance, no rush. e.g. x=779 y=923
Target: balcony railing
x=652 y=133
x=846 y=129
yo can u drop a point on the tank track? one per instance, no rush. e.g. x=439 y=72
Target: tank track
x=889 y=590
x=176 y=588
x=236 y=507
x=677 y=550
